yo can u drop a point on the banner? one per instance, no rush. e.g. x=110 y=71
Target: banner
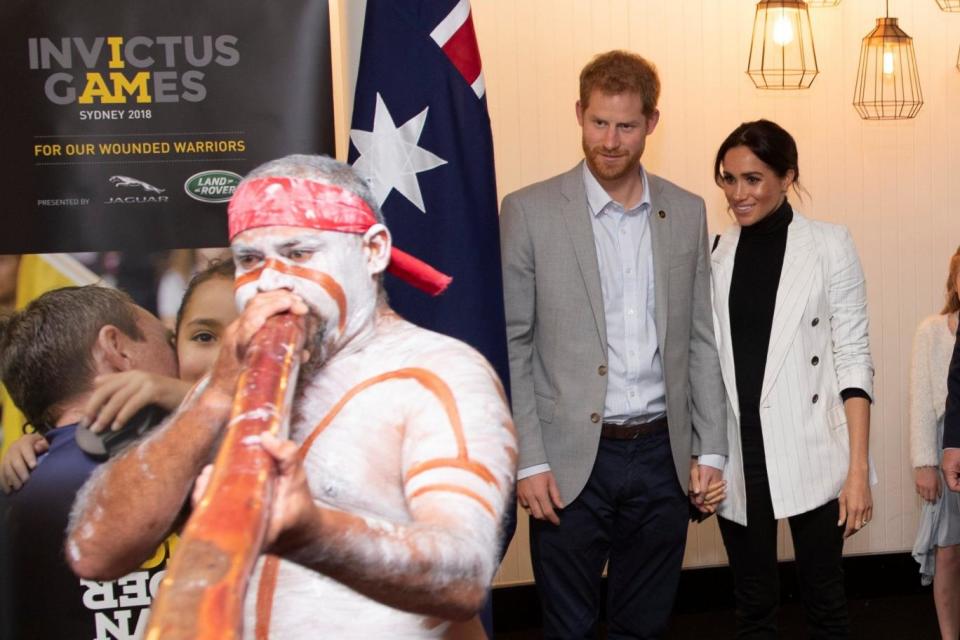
x=127 y=125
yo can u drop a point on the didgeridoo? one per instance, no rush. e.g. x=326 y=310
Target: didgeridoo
x=201 y=596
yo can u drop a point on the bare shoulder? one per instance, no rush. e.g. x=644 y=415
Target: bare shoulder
x=409 y=346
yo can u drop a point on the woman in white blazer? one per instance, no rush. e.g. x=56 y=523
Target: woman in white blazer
x=937 y=547
x=790 y=316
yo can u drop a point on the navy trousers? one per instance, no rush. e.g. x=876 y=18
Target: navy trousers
x=631 y=512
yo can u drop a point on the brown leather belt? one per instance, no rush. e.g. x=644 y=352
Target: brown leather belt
x=632 y=431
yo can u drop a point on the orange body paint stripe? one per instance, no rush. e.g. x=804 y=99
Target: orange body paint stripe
x=429 y=380
x=326 y=282
x=265 y=591
x=435 y=385
x=452 y=488
x=467 y=465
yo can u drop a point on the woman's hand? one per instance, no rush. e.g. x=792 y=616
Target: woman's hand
x=707 y=488
x=856 y=504
x=20 y=460
x=927 y=480
x=117 y=397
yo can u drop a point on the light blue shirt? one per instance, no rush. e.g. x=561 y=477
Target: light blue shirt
x=635 y=389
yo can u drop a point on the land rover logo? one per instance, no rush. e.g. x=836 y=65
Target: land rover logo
x=212 y=186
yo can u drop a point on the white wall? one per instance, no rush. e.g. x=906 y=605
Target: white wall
x=893 y=183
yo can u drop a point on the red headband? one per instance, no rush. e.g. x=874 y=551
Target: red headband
x=299 y=202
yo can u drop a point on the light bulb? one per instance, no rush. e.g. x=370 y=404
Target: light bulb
x=782 y=31
x=888 y=63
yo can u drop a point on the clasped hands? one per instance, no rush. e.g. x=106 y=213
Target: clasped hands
x=540 y=497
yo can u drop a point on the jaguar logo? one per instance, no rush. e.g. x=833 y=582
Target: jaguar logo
x=126 y=181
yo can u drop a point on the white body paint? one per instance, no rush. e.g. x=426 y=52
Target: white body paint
x=360 y=461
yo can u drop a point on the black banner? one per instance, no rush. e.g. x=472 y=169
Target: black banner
x=127 y=124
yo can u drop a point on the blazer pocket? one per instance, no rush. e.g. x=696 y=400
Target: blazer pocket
x=837 y=417
x=545 y=408
x=837 y=421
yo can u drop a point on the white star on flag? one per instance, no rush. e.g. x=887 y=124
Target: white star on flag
x=390 y=157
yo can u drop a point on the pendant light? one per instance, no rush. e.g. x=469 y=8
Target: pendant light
x=949 y=5
x=782 y=55
x=888 y=83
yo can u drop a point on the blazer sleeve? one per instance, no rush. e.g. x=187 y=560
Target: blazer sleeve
x=707 y=399
x=924 y=448
x=849 y=324
x=520 y=294
x=951 y=420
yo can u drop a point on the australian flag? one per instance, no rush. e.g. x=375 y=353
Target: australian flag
x=421 y=136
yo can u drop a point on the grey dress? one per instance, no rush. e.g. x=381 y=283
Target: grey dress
x=939 y=524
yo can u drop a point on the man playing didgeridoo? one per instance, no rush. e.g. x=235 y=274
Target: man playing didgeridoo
x=402 y=452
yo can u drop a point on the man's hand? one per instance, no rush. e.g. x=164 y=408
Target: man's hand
x=707 y=488
x=293 y=503
x=236 y=338
x=539 y=495
x=856 y=503
x=118 y=396
x=951 y=468
x=927 y=480
x=20 y=460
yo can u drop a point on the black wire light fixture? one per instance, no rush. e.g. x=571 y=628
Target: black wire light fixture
x=888 y=83
x=949 y=5
x=782 y=55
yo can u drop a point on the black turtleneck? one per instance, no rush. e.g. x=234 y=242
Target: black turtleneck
x=753 y=296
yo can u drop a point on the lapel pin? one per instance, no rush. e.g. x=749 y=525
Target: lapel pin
x=662 y=214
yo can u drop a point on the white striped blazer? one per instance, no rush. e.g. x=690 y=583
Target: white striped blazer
x=819 y=344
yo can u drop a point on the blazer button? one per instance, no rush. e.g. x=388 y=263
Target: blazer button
x=815 y=322
x=602 y=369
x=815 y=361
x=594 y=417
x=815 y=398
x=662 y=214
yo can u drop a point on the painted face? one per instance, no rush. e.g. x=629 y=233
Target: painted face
x=208 y=312
x=615 y=132
x=154 y=353
x=328 y=269
x=752 y=188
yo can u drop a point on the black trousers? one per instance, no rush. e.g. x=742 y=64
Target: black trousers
x=752 y=550
x=632 y=512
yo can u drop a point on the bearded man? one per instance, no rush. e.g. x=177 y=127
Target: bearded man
x=402 y=452
x=614 y=370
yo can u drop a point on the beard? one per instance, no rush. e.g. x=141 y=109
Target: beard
x=318 y=353
x=597 y=160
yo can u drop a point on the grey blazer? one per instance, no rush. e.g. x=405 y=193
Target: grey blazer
x=556 y=329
